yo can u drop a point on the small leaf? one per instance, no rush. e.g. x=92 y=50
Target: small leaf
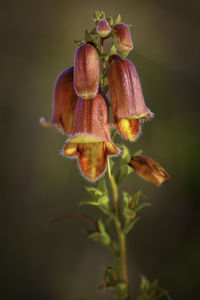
x=113 y=50
x=110 y=21
x=78 y=43
x=93 y=31
x=123 y=171
x=124 y=54
x=126 y=156
x=126 y=198
x=88 y=38
x=118 y=19
x=102 y=186
x=130 y=225
x=102 y=236
x=138 y=153
x=93 y=191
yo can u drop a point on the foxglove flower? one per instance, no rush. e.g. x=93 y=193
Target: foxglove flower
x=122 y=37
x=149 y=170
x=64 y=102
x=103 y=28
x=86 y=71
x=127 y=100
x=90 y=141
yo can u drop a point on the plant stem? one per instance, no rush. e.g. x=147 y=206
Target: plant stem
x=114 y=187
x=103 y=64
x=119 y=229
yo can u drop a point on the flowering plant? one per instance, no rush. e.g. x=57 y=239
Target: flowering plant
x=81 y=110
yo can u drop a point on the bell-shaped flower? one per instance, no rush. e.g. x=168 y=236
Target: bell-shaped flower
x=149 y=170
x=90 y=141
x=103 y=28
x=64 y=102
x=128 y=105
x=122 y=37
x=86 y=71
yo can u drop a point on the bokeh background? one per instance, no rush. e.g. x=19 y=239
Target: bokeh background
x=37 y=184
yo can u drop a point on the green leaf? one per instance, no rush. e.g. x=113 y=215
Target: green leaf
x=118 y=19
x=126 y=156
x=123 y=171
x=129 y=214
x=138 y=153
x=126 y=198
x=102 y=237
x=130 y=225
x=88 y=38
x=94 y=192
x=110 y=21
x=124 y=54
x=93 y=31
x=78 y=43
x=102 y=186
x=113 y=50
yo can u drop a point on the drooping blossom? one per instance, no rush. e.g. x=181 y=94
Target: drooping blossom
x=90 y=140
x=127 y=100
x=149 y=170
x=64 y=102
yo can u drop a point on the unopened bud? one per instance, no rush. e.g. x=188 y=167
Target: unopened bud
x=103 y=28
x=122 y=37
x=149 y=170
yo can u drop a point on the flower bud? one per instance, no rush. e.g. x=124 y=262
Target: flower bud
x=149 y=170
x=90 y=141
x=103 y=28
x=64 y=102
x=126 y=97
x=122 y=37
x=86 y=71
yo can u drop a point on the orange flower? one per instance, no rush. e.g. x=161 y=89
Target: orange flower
x=149 y=170
x=128 y=105
x=122 y=37
x=86 y=71
x=103 y=28
x=64 y=103
x=90 y=141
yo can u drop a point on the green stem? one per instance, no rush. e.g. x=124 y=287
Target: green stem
x=119 y=229
x=114 y=187
x=103 y=64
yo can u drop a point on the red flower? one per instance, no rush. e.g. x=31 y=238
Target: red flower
x=128 y=105
x=64 y=102
x=86 y=71
x=90 y=141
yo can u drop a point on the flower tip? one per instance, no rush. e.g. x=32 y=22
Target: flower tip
x=44 y=123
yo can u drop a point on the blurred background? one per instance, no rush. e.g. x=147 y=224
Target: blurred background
x=37 y=184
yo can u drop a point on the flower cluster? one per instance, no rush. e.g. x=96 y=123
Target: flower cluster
x=81 y=107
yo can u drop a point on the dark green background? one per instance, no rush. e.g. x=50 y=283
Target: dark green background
x=37 y=184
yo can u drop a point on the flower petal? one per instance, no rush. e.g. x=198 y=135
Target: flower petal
x=129 y=128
